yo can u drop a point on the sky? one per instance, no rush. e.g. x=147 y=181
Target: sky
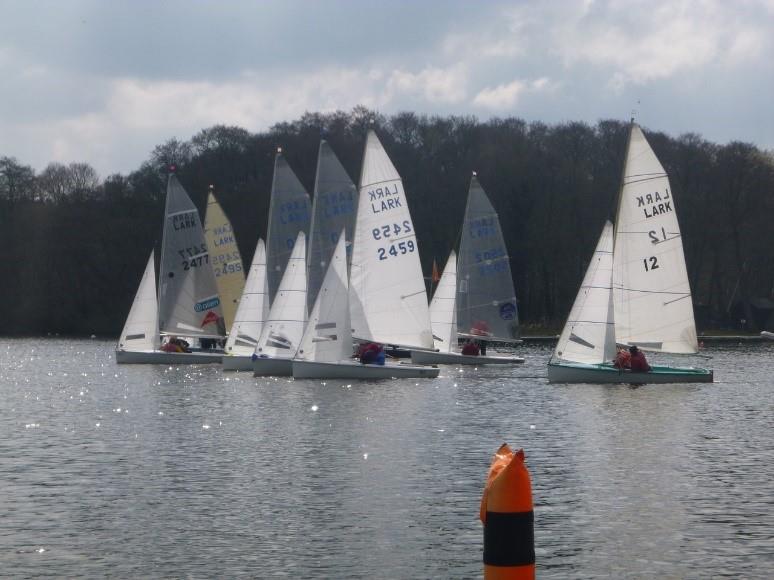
x=104 y=82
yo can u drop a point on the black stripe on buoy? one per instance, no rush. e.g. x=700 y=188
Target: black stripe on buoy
x=509 y=539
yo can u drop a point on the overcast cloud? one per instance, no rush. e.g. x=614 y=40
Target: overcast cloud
x=104 y=82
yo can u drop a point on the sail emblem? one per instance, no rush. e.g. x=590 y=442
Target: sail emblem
x=508 y=311
x=210 y=317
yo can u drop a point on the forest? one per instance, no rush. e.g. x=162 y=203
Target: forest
x=76 y=245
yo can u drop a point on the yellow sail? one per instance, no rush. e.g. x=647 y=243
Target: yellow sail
x=224 y=258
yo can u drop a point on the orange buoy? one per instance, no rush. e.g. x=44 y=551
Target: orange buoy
x=506 y=512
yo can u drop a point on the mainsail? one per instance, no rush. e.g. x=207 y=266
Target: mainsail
x=141 y=331
x=224 y=257
x=486 y=300
x=333 y=210
x=253 y=307
x=188 y=298
x=288 y=215
x=443 y=307
x=328 y=336
x=589 y=334
x=284 y=327
x=388 y=300
x=651 y=293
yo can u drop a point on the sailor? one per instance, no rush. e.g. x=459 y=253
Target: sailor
x=622 y=359
x=638 y=361
x=470 y=348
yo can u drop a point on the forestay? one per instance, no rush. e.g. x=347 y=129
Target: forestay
x=141 y=331
x=333 y=210
x=651 y=293
x=486 y=299
x=253 y=307
x=288 y=215
x=328 y=336
x=443 y=307
x=388 y=300
x=589 y=334
x=284 y=327
x=224 y=257
x=188 y=298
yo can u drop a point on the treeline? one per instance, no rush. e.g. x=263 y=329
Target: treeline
x=75 y=246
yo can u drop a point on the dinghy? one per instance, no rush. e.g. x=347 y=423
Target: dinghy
x=326 y=347
x=250 y=315
x=284 y=327
x=188 y=303
x=635 y=291
x=387 y=296
x=478 y=301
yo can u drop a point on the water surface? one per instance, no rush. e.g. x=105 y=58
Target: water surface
x=134 y=471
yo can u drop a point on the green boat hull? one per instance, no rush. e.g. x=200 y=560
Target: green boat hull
x=572 y=372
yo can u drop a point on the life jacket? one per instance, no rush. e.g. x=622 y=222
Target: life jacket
x=471 y=349
x=622 y=360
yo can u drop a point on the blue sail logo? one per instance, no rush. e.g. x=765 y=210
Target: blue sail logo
x=207 y=304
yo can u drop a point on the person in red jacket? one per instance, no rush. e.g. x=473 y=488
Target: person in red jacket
x=638 y=361
x=622 y=359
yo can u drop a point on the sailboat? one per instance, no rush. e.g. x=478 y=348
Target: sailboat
x=478 y=299
x=636 y=290
x=253 y=310
x=326 y=347
x=333 y=210
x=224 y=258
x=188 y=302
x=141 y=330
x=284 y=326
x=288 y=215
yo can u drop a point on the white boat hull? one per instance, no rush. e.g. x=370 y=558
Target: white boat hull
x=567 y=372
x=427 y=357
x=160 y=357
x=767 y=335
x=272 y=367
x=237 y=362
x=355 y=370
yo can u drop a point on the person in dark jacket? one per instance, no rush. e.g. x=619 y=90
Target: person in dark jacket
x=638 y=362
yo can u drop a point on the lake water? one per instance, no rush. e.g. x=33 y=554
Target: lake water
x=133 y=471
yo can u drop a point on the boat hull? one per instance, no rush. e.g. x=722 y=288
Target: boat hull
x=160 y=357
x=767 y=335
x=272 y=367
x=568 y=372
x=427 y=357
x=237 y=362
x=354 y=370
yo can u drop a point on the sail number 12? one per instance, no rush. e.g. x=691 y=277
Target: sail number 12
x=650 y=263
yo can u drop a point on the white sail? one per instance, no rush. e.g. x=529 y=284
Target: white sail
x=333 y=209
x=224 y=257
x=328 y=335
x=141 y=331
x=284 y=327
x=188 y=297
x=288 y=215
x=253 y=307
x=443 y=307
x=651 y=293
x=388 y=300
x=589 y=333
x=486 y=299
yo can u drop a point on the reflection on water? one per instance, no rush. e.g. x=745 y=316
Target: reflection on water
x=187 y=471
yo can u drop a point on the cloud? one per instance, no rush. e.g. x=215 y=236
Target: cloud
x=506 y=96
